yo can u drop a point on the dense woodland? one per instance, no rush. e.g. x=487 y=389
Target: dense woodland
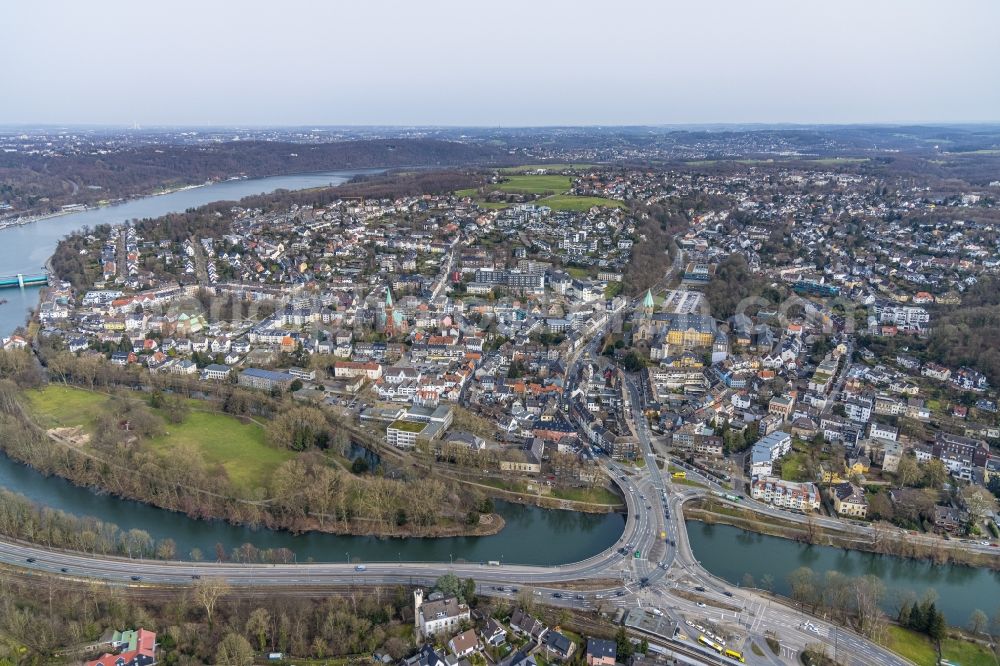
x=28 y=179
x=969 y=334
x=46 y=620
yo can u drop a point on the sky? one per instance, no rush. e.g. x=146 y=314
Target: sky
x=511 y=63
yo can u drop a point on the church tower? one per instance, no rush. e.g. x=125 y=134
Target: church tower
x=647 y=302
x=390 y=324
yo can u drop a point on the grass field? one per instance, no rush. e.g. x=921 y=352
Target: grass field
x=597 y=495
x=219 y=438
x=919 y=649
x=793 y=467
x=468 y=192
x=579 y=272
x=223 y=440
x=536 y=184
x=578 y=203
x=58 y=406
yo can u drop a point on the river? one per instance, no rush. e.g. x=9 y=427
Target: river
x=531 y=536
x=731 y=553
x=26 y=248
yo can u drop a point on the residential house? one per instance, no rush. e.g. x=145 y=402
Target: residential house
x=437 y=614
x=849 y=500
x=601 y=652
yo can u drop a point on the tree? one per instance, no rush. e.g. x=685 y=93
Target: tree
x=234 y=650
x=469 y=591
x=207 y=592
x=803 y=584
x=450 y=585
x=258 y=626
x=880 y=506
x=978 y=621
x=978 y=502
x=908 y=473
x=624 y=645
x=936 y=626
x=935 y=474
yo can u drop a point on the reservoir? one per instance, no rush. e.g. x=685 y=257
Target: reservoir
x=731 y=553
x=26 y=248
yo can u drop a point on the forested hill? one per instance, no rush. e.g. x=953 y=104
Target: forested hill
x=26 y=180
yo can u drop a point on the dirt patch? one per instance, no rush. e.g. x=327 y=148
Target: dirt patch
x=74 y=436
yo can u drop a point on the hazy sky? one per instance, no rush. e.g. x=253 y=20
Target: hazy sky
x=473 y=62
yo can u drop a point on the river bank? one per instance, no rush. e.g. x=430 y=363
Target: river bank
x=26 y=246
x=542 y=501
x=323 y=498
x=890 y=543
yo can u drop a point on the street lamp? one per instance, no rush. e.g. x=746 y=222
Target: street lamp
x=348 y=557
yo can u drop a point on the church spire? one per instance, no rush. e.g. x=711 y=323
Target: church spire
x=388 y=297
x=648 y=301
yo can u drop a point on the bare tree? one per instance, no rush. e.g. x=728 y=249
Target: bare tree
x=208 y=591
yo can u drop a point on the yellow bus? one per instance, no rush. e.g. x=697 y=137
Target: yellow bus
x=733 y=654
x=708 y=642
x=680 y=475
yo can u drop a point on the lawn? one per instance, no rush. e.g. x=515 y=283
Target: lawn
x=469 y=192
x=578 y=203
x=58 y=406
x=919 y=649
x=578 y=272
x=793 y=467
x=536 y=184
x=222 y=439
x=597 y=495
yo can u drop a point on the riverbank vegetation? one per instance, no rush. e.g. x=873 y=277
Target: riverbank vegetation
x=885 y=540
x=918 y=631
x=49 y=621
x=246 y=457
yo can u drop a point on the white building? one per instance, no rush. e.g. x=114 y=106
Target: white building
x=435 y=615
x=786 y=494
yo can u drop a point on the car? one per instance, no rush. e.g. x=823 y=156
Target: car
x=195 y=577
x=701 y=605
x=136 y=577
x=557 y=595
x=700 y=588
x=64 y=569
x=620 y=593
x=513 y=590
x=360 y=567
x=598 y=596
x=31 y=560
x=728 y=593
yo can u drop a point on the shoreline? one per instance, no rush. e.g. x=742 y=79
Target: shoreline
x=22 y=221
x=892 y=545
x=315 y=524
